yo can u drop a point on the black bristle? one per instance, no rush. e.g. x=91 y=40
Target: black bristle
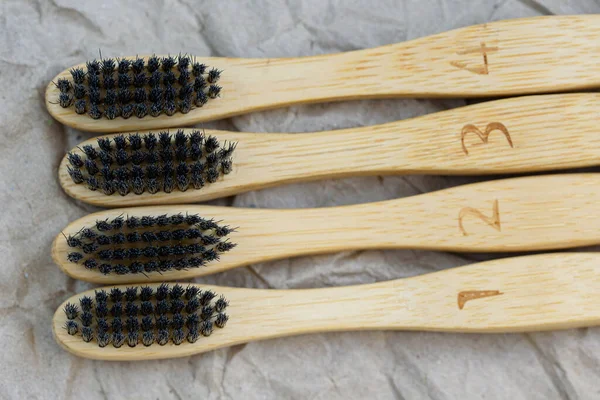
x=93 y=67
x=150 y=251
x=153 y=64
x=93 y=82
x=212 y=159
x=103 y=225
x=151 y=266
x=198 y=69
x=72 y=241
x=124 y=81
x=132 y=222
x=193 y=334
x=79 y=91
x=118 y=238
x=132 y=323
x=223 y=231
x=206 y=297
x=221 y=320
x=131 y=293
x=117 y=223
x=141 y=110
x=178 y=336
x=74 y=257
x=201 y=99
x=86 y=303
x=149 y=237
x=156 y=108
x=103 y=240
x=132 y=338
x=120 y=254
x=133 y=237
x=105 y=254
x=87 y=318
x=103 y=338
x=192 y=306
x=212 y=175
x=101 y=323
x=106 y=160
x=148 y=338
x=137 y=66
x=111 y=112
x=108 y=66
x=199 y=84
x=226 y=166
x=109 y=83
x=75 y=160
x=71 y=310
x=127 y=110
x=162 y=322
x=124 y=66
x=192 y=320
x=165 y=251
x=177 y=306
x=91 y=167
x=170 y=107
x=121 y=269
x=223 y=247
x=80 y=106
x=183 y=78
x=116 y=311
x=94 y=96
x=90 y=263
x=162 y=292
x=206 y=328
x=214 y=91
x=116 y=295
x=87 y=334
x=78 y=75
x=101 y=310
x=183 y=63
x=105 y=269
x=211 y=144
x=88 y=233
x=120 y=142
x=118 y=339
x=164 y=236
x=121 y=157
x=136 y=267
x=148 y=221
x=169 y=93
x=71 y=327
x=137 y=158
x=75 y=175
x=177 y=321
x=185 y=106
x=168 y=184
x=169 y=78
x=168 y=63
x=213 y=75
x=162 y=337
x=139 y=80
x=155 y=95
x=206 y=312
x=221 y=304
x=162 y=307
x=122 y=187
x=147 y=323
x=155 y=79
x=124 y=96
x=94 y=112
x=176 y=219
x=146 y=308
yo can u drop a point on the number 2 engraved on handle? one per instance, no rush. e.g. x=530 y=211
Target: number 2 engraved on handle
x=484 y=136
x=493 y=221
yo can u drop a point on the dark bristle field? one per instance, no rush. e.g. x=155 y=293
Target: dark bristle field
x=144 y=316
x=135 y=163
x=122 y=88
x=147 y=244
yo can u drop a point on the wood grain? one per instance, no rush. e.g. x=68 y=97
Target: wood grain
x=538 y=293
x=516 y=135
x=533 y=213
x=522 y=56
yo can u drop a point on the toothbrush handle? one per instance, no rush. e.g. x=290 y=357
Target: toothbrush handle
x=520 y=294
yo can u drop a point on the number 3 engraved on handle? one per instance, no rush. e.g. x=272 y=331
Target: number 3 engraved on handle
x=493 y=221
x=484 y=136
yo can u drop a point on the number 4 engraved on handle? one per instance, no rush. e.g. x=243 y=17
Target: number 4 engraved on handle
x=493 y=221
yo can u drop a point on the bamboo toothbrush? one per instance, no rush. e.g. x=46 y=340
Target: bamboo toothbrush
x=155 y=243
x=511 y=57
x=516 y=135
x=520 y=294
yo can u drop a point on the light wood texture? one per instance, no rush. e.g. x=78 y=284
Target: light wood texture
x=530 y=293
x=522 y=56
x=516 y=135
x=517 y=214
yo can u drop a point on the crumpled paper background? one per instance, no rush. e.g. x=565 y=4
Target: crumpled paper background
x=39 y=38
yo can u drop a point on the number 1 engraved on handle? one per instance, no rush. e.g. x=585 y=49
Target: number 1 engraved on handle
x=493 y=221
x=484 y=136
